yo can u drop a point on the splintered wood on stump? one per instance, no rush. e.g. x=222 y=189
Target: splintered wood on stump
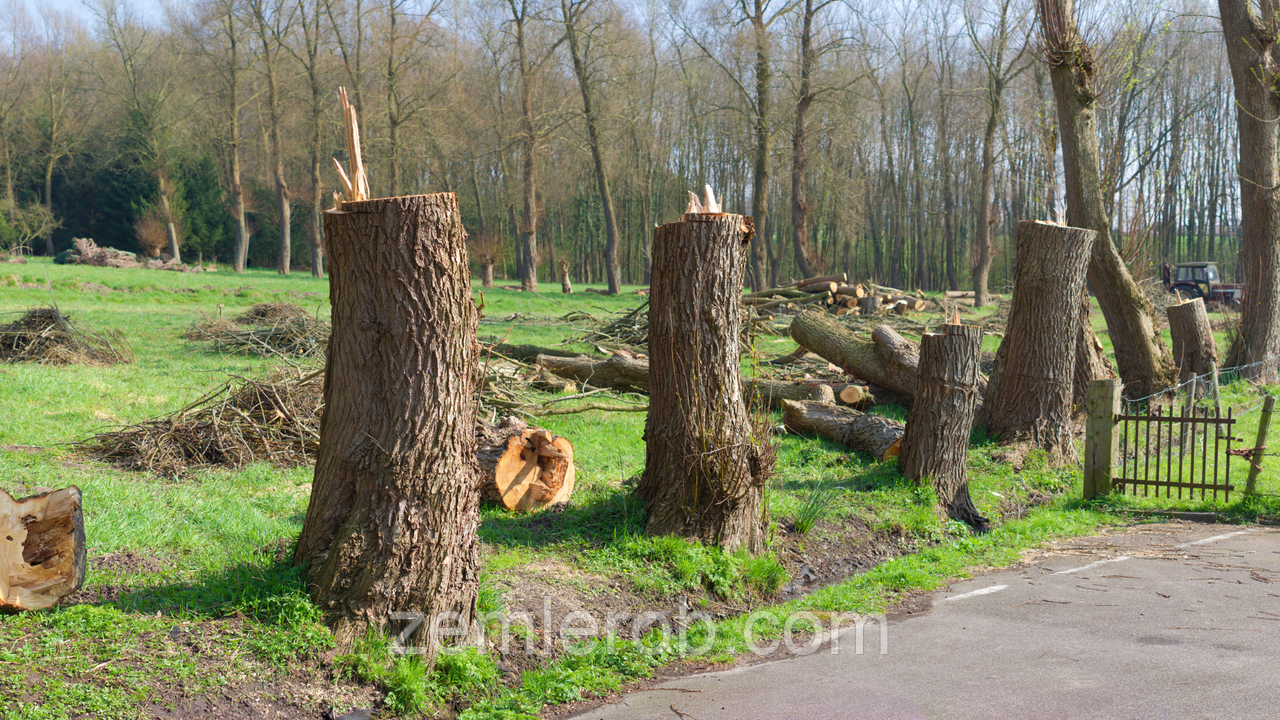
x=1028 y=399
x=42 y=550
x=877 y=436
x=391 y=526
x=1194 y=350
x=523 y=468
x=706 y=462
x=936 y=444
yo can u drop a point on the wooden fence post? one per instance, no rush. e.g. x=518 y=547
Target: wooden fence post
x=1102 y=403
x=1264 y=422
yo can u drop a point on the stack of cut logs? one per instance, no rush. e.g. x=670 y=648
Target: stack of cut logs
x=833 y=294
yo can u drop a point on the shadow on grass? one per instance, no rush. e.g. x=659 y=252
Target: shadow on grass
x=593 y=519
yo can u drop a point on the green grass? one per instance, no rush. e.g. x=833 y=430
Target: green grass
x=218 y=609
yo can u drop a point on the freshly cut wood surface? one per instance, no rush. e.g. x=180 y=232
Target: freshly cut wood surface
x=42 y=550
x=523 y=468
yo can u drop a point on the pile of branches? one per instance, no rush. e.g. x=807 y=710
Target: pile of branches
x=276 y=420
x=268 y=329
x=631 y=330
x=86 y=252
x=47 y=337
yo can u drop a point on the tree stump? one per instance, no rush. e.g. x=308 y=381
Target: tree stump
x=42 y=550
x=935 y=447
x=392 y=521
x=706 y=462
x=868 y=305
x=1194 y=349
x=523 y=468
x=1029 y=396
x=565 y=286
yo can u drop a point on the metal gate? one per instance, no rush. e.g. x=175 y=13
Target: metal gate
x=1187 y=451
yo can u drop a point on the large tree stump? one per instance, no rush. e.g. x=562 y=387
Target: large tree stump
x=42 y=550
x=706 y=462
x=391 y=526
x=523 y=468
x=1194 y=349
x=1029 y=396
x=875 y=435
x=935 y=447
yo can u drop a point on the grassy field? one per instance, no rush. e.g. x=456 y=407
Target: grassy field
x=190 y=602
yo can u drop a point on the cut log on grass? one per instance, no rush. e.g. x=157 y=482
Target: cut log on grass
x=878 y=436
x=618 y=372
x=523 y=468
x=42 y=550
x=936 y=444
x=913 y=303
x=1029 y=399
x=888 y=359
x=1194 y=349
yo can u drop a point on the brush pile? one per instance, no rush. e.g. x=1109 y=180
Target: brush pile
x=276 y=420
x=85 y=251
x=268 y=329
x=47 y=337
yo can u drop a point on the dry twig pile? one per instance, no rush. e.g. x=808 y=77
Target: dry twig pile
x=275 y=420
x=46 y=336
x=268 y=329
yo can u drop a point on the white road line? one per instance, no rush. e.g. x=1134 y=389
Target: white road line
x=983 y=591
x=1215 y=538
x=1091 y=565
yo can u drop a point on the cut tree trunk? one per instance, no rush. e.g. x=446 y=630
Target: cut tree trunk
x=618 y=372
x=888 y=359
x=935 y=448
x=1029 y=398
x=565 y=286
x=875 y=435
x=523 y=468
x=706 y=462
x=1194 y=350
x=868 y=305
x=42 y=550
x=392 y=522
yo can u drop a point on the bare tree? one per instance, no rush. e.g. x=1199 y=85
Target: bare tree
x=61 y=103
x=1002 y=61
x=1255 y=70
x=572 y=13
x=1144 y=361
x=14 y=81
x=272 y=24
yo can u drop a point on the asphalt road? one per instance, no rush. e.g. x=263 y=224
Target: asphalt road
x=1161 y=621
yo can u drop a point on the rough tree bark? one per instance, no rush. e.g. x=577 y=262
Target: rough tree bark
x=936 y=444
x=1029 y=396
x=888 y=359
x=1092 y=362
x=1144 y=361
x=1194 y=350
x=872 y=434
x=1254 y=56
x=706 y=462
x=394 y=506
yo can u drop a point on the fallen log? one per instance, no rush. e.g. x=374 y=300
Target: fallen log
x=873 y=434
x=42 y=550
x=888 y=359
x=523 y=468
x=913 y=303
x=618 y=372
x=525 y=353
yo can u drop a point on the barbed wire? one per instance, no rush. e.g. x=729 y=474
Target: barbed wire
x=1173 y=391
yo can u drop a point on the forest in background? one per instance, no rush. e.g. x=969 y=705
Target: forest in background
x=895 y=144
